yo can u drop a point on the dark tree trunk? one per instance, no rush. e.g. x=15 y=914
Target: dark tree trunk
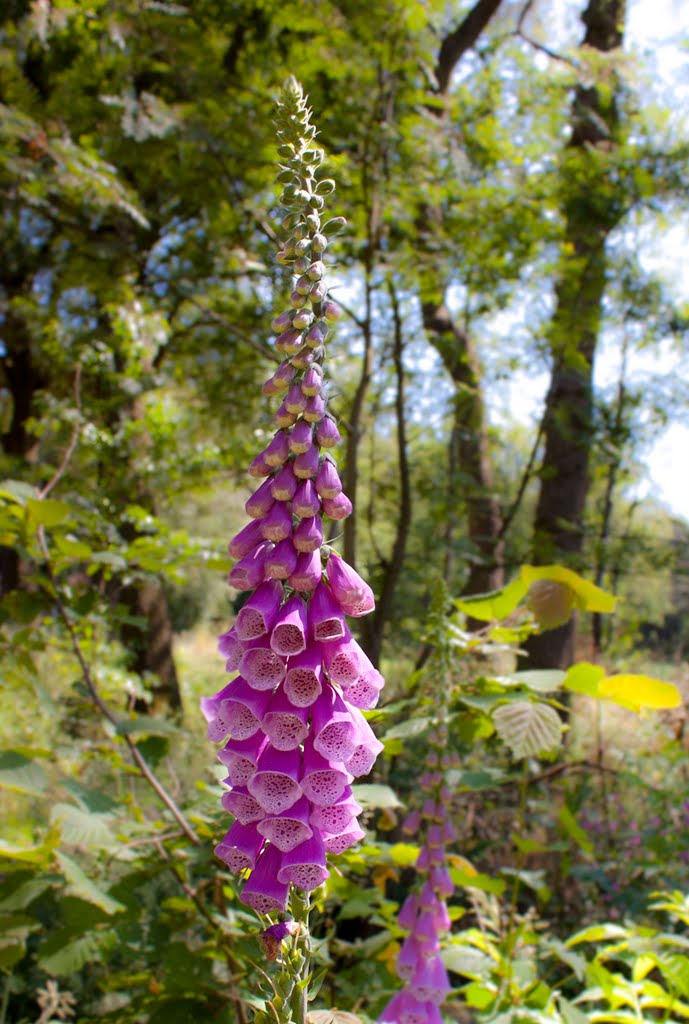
x=591 y=211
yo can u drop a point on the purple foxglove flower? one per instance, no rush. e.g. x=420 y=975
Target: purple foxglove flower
x=262 y=668
x=246 y=540
x=270 y=388
x=430 y=982
x=272 y=938
x=303 y=319
x=339 y=843
x=331 y=311
x=240 y=847
x=326 y=620
x=283 y=417
x=429 y=857
x=312 y=382
x=316 y=270
x=322 y=781
x=262 y=890
x=245 y=808
x=282 y=322
x=327 y=433
x=353 y=593
x=306 y=464
x=338 y=816
x=260 y=502
x=333 y=730
x=301 y=437
x=297 y=300
x=259 y=467
x=284 y=484
x=430 y=923
x=317 y=334
x=404 y=1009
x=250 y=571
x=277 y=451
x=308 y=535
x=295 y=401
x=303 y=681
x=277 y=524
x=303 y=358
x=282 y=561
x=228 y=643
x=289 y=633
x=338 y=508
x=306 y=502
x=289 y=341
x=365 y=692
x=288 y=829
x=304 y=866
x=408 y=912
x=239 y=713
x=343 y=660
x=319 y=290
x=240 y=757
x=285 y=725
x=441 y=880
x=314 y=410
x=409 y=958
x=412 y=824
x=274 y=783
x=308 y=571
x=328 y=483
x=258 y=615
x=368 y=746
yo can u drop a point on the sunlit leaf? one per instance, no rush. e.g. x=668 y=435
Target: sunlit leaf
x=374 y=795
x=81 y=885
x=543 y=680
x=528 y=728
x=47 y=511
x=589 y=597
x=639 y=692
x=497 y=604
x=82 y=828
x=584 y=678
x=21 y=773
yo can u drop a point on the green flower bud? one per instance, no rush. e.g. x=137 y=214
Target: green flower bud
x=325 y=187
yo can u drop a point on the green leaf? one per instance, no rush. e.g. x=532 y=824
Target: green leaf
x=26 y=893
x=22 y=773
x=144 y=725
x=497 y=604
x=477 y=880
x=374 y=795
x=16 y=490
x=47 y=511
x=479 y=995
x=571 y=1014
x=574 y=829
x=82 y=828
x=597 y=933
x=404 y=854
x=71 y=548
x=639 y=692
x=588 y=597
x=63 y=954
x=405 y=730
x=528 y=728
x=543 y=680
x=466 y=960
x=584 y=678
x=82 y=886
x=573 y=960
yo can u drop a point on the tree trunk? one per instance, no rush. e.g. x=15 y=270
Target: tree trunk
x=591 y=210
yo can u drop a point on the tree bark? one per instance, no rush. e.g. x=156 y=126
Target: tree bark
x=591 y=210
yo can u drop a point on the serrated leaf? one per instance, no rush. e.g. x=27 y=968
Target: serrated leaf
x=497 y=604
x=21 y=773
x=82 y=828
x=528 y=728
x=412 y=727
x=62 y=954
x=26 y=893
x=466 y=960
x=48 y=511
x=374 y=795
x=639 y=692
x=81 y=885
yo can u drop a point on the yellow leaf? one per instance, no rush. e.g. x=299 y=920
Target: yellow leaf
x=589 y=597
x=639 y=692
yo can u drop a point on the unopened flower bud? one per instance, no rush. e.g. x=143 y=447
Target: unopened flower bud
x=289 y=341
x=313 y=380
x=316 y=270
x=319 y=242
x=331 y=311
x=282 y=322
x=327 y=433
x=317 y=334
x=314 y=410
x=318 y=292
x=297 y=300
x=304 y=318
x=304 y=285
x=303 y=358
x=301 y=264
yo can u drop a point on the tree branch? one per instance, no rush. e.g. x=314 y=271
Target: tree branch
x=457 y=43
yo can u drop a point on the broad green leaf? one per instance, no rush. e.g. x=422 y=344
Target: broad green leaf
x=528 y=728
x=412 y=727
x=71 y=548
x=543 y=680
x=584 y=678
x=374 y=795
x=25 y=894
x=477 y=880
x=144 y=725
x=588 y=597
x=63 y=954
x=570 y=1013
x=47 y=511
x=31 y=854
x=497 y=604
x=639 y=692
x=404 y=854
x=14 y=931
x=81 y=885
x=479 y=995
x=466 y=960
x=574 y=961
x=22 y=773
x=82 y=828
x=597 y=933
x=16 y=490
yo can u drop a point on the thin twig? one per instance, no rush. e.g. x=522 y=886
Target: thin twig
x=69 y=450
x=97 y=699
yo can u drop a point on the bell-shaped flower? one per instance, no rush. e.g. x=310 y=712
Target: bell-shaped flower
x=306 y=464
x=284 y=484
x=322 y=781
x=343 y=660
x=289 y=828
x=277 y=451
x=257 y=616
x=327 y=433
x=282 y=560
x=275 y=782
x=430 y=982
x=308 y=571
x=304 y=866
x=328 y=483
x=339 y=843
x=334 y=732
x=240 y=847
x=241 y=757
x=240 y=803
x=291 y=627
x=306 y=502
x=354 y=594
x=261 y=501
x=285 y=725
x=308 y=535
x=312 y=381
x=326 y=620
x=337 y=508
x=246 y=540
x=304 y=679
x=365 y=692
x=314 y=410
x=277 y=524
x=336 y=817
x=263 y=891
x=301 y=437
x=262 y=668
x=250 y=571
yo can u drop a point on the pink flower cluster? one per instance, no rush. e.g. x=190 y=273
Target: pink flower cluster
x=291 y=723
x=424 y=913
